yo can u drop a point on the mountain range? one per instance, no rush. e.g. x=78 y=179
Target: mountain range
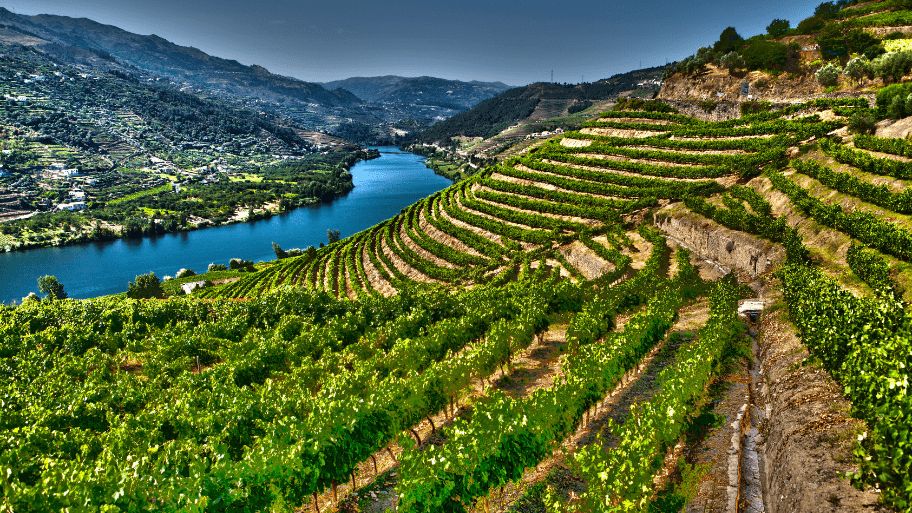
x=361 y=109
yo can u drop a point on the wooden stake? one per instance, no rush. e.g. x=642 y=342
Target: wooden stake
x=433 y=427
x=335 y=494
x=316 y=503
x=374 y=458
x=417 y=438
x=354 y=483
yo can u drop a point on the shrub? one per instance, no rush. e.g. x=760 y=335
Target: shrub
x=185 y=273
x=828 y=75
x=893 y=101
x=51 y=286
x=217 y=267
x=859 y=68
x=837 y=43
x=239 y=264
x=732 y=61
x=862 y=122
x=767 y=55
x=892 y=67
x=729 y=41
x=145 y=286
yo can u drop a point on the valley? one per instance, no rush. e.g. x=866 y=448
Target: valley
x=681 y=289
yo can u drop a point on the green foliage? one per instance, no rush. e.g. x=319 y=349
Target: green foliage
x=893 y=66
x=866 y=344
x=859 y=68
x=848 y=183
x=828 y=75
x=621 y=479
x=145 y=286
x=894 y=102
x=51 y=286
x=732 y=61
x=729 y=41
x=872 y=268
x=837 y=42
x=217 y=267
x=778 y=28
x=762 y=54
x=900 y=147
x=333 y=235
x=865 y=161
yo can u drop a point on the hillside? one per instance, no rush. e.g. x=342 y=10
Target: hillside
x=654 y=311
x=94 y=155
x=852 y=43
x=494 y=115
x=429 y=91
x=311 y=105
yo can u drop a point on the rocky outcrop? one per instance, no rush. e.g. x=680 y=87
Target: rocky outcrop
x=731 y=250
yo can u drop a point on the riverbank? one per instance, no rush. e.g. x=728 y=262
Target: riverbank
x=148 y=217
x=382 y=188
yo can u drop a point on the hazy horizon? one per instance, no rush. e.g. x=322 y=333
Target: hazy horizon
x=468 y=41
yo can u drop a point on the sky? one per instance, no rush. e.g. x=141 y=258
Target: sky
x=516 y=42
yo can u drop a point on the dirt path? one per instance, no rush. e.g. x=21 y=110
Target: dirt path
x=536 y=367
x=637 y=385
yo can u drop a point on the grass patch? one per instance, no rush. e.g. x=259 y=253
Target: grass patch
x=142 y=194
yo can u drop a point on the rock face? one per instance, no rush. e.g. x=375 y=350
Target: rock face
x=721 y=86
x=731 y=250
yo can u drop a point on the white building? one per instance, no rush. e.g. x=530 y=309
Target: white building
x=72 y=206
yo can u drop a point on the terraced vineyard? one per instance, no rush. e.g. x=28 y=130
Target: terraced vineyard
x=561 y=205
x=840 y=211
x=521 y=330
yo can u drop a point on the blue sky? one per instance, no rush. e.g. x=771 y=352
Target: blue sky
x=516 y=42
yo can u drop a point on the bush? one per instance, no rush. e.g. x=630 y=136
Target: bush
x=216 y=267
x=755 y=107
x=145 y=286
x=239 y=264
x=892 y=67
x=732 y=61
x=837 y=43
x=858 y=69
x=828 y=75
x=761 y=54
x=862 y=122
x=185 y=273
x=893 y=101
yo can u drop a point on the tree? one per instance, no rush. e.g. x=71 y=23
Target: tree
x=239 y=264
x=279 y=252
x=217 y=267
x=184 y=273
x=778 y=28
x=333 y=235
x=828 y=76
x=52 y=287
x=729 y=41
x=145 y=286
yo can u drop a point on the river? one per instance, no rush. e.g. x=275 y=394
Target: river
x=383 y=187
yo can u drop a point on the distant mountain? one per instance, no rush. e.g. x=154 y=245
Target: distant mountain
x=449 y=94
x=365 y=110
x=546 y=99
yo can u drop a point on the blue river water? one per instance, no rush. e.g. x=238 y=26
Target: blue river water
x=383 y=187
